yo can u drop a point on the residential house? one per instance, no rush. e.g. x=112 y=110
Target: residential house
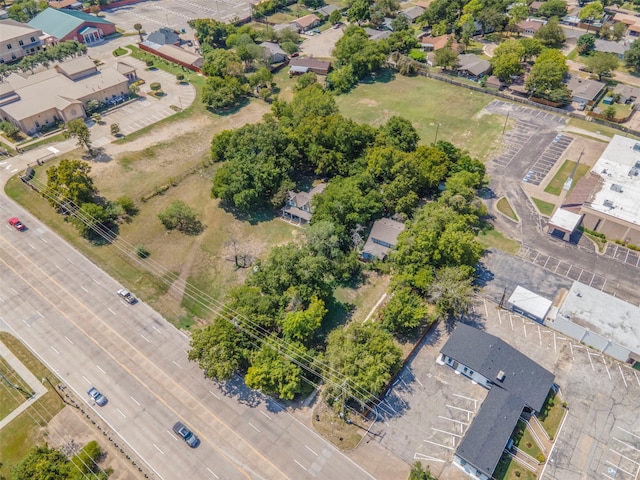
x=164 y=36
x=528 y=27
x=472 y=66
x=495 y=82
x=383 y=238
x=71 y=4
x=305 y=23
x=628 y=94
x=607 y=46
x=32 y=102
x=585 y=91
x=517 y=385
x=431 y=44
x=412 y=13
x=301 y=65
x=376 y=35
x=534 y=7
x=297 y=208
x=327 y=10
x=631 y=21
x=273 y=52
x=67 y=24
x=18 y=40
x=174 y=54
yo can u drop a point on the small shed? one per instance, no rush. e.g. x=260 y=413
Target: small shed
x=563 y=223
x=529 y=304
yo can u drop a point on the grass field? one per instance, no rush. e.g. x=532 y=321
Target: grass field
x=599 y=129
x=552 y=414
x=426 y=103
x=492 y=238
x=504 y=207
x=561 y=176
x=545 y=208
x=524 y=440
x=10 y=398
x=28 y=428
x=509 y=469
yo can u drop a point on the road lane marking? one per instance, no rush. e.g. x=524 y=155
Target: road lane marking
x=86 y=380
x=100 y=369
x=309 y=448
x=96 y=281
x=265 y=415
x=254 y=427
x=148 y=341
x=112 y=311
x=41 y=315
x=212 y=473
x=59 y=268
x=68 y=340
x=70 y=261
x=176 y=364
x=84 y=289
x=15 y=292
x=214 y=394
x=54 y=349
x=172 y=436
x=300 y=465
x=155 y=328
x=120 y=412
x=134 y=401
x=158 y=448
x=31 y=246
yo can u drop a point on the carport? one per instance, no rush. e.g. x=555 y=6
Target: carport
x=529 y=304
x=563 y=223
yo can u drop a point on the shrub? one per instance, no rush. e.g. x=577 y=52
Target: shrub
x=115 y=129
x=128 y=205
x=10 y=129
x=149 y=63
x=155 y=86
x=179 y=216
x=540 y=458
x=180 y=77
x=142 y=251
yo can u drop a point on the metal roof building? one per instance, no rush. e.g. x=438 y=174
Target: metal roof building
x=529 y=304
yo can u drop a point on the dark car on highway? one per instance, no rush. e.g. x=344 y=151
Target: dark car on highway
x=187 y=435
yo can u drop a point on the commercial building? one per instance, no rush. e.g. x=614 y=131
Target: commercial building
x=18 y=40
x=64 y=24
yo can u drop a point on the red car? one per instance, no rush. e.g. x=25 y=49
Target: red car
x=17 y=224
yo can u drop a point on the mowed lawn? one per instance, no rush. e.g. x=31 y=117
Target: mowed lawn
x=426 y=102
x=557 y=182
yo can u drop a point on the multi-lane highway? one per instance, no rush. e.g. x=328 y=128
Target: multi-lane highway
x=67 y=311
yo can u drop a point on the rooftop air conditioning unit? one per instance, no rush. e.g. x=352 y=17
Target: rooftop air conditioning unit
x=501 y=376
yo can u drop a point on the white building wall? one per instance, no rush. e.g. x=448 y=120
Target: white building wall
x=467 y=372
x=469 y=469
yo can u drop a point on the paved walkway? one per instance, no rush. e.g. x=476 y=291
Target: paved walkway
x=24 y=373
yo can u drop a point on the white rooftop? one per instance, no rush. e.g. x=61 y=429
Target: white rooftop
x=530 y=302
x=619 y=168
x=565 y=220
x=604 y=314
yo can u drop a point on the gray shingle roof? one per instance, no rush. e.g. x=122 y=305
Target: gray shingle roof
x=525 y=384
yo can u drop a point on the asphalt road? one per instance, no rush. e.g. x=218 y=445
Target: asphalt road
x=67 y=311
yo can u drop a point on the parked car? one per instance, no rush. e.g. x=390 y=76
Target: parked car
x=317 y=32
x=99 y=398
x=127 y=296
x=189 y=43
x=187 y=435
x=295 y=54
x=17 y=224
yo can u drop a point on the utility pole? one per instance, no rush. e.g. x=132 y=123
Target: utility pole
x=435 y=140
x=504 y=294
x=505 y=122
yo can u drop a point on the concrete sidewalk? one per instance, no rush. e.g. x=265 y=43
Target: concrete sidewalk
x=28 y=377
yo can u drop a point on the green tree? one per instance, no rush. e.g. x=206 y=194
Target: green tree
x=138 y=28
x=9 y=129
x=551 y=33
x=609 y=112
x=222 y=63
x=419 y=473
x=89 y=220
x=532 y=48
x=553 y=8
x=451 y=291
x=78 y=129
x=591 y=11
x=632 y=56
x=221 y=349
x=406 y=310
x=335 y=17
x=354 y=48
x=364 y=354
x=602 y=64
x=69 y=181
x=360 y=11
x=301 y=325
x=220 y=93
x=115 y=129
x=273 y=374
x=518 y=12
x=398 y=133
x=179 y=216
x=342 y=79
x=586 y=44
x=547 y=72
x=618 y=31
x=446 y=57
x=42 y=463
x=506 y=59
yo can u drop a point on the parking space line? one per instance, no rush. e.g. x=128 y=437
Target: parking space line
x=628 y=432
x=446 y=433
x=475 y=402
x=452 y=420
x=422 y=456
x=437 y=444
x=606 y=367
x=629 y=446
x=618 y=467
x=592 y=367
x=458 y=408
x=622 y=375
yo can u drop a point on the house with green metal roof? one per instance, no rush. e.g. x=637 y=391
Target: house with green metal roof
x=72 y=25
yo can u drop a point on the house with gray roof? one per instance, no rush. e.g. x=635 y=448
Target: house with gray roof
x=585 y=91
x=628 y=93
x=412 y=13
x=376 y=35
x=327 y=10
x=517 y=385
x=472 y=66
x=64 y=24
x=607 y=46
x=273 y=52
x=297 y=207
x=164 y=36
x=383 y=238
x=301 y=65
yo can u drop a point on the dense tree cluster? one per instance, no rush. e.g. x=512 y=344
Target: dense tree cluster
x=44 y=463
x=278 y=335
x=546 y=77
x=24 y=10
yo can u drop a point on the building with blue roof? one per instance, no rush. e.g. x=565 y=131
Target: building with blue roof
x=72 y=25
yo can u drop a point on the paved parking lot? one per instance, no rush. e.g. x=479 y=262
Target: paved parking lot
x=548 y=159
x=623 y=254
x=175 y=13
x=599 y=439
